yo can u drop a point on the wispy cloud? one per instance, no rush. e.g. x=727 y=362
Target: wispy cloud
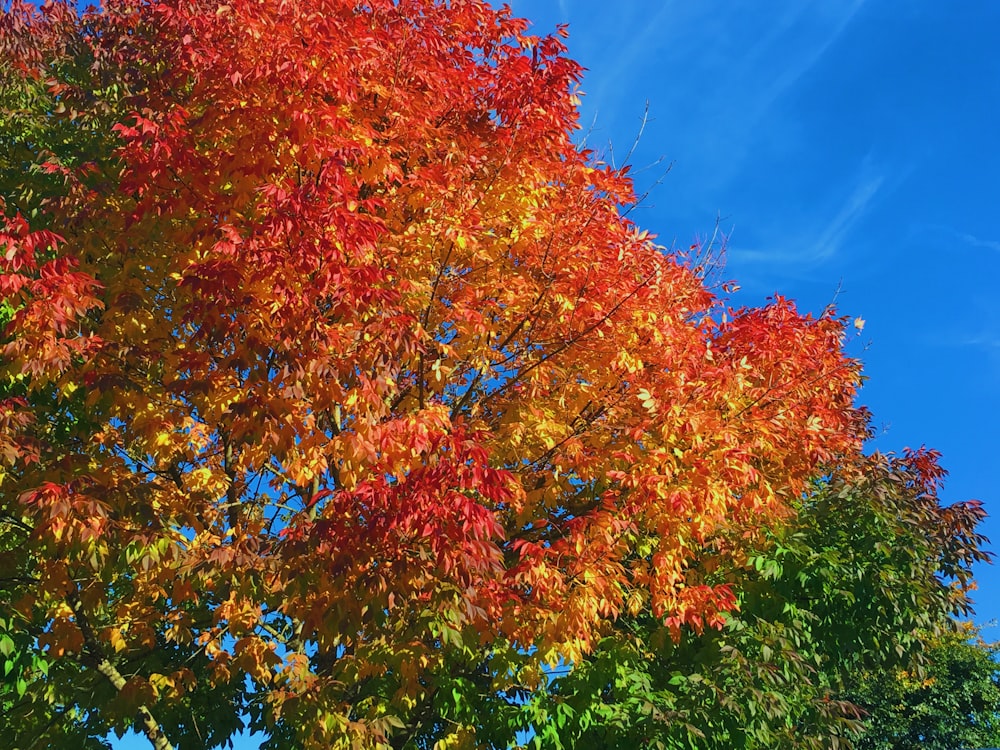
x=949 y=234
x=818 y=238
x=986 y=345
x=985 y=341
x=624 y=54
x=712 y=71
x=715 y=75
x=799 y=64
x=855 y=207
x=971 y=239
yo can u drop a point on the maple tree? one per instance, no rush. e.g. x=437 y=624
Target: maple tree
x=338 y=394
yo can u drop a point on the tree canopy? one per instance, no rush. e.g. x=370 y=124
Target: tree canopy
x=951 y=701
x=340 y=397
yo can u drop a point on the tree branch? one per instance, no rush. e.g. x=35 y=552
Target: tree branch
x=150 y=727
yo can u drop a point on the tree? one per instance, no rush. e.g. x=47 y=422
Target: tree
x=869 y=563
x=338 y=392
x=951 y=702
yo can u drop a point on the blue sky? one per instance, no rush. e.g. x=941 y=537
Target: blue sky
x=844 y=144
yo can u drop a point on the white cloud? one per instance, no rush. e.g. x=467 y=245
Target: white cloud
x=945 y=233
x=817 y=239
x=979 y=242
x=823 y=36
x=854 y=208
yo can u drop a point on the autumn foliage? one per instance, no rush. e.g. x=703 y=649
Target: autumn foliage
x=331 y=362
